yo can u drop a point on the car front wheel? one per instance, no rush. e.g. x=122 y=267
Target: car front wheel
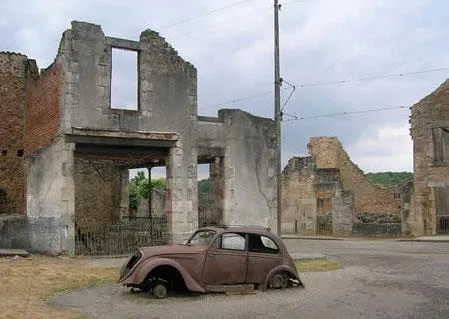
x=159 y=291
x=278 y=280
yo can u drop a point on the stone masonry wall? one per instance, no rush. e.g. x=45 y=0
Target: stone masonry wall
x=97 y=192
x=431 y=112
x=328 y=186
x=298 y=197
x=368 y=197
x=12 y=124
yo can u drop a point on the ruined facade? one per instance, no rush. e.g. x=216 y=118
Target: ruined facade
x=430 y=133
x=326 y=193
x=66 y=151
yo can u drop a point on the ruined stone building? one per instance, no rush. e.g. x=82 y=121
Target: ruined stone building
x=429 y=214
x=326 y=193
x=66 y=151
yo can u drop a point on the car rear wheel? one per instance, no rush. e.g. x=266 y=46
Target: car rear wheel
x=278 y=280
x=159 y=291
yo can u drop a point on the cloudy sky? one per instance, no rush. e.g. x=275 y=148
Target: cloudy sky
x=323 y=43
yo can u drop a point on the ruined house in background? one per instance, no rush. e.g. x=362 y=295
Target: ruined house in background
x=66 y=151
x=429 y=214
x=326 y=193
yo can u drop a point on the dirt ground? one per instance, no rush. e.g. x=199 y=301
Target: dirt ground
x=381 y=279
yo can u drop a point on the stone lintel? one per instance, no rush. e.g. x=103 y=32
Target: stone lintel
x=123 y=43
x=110 y=137
x=438 y=184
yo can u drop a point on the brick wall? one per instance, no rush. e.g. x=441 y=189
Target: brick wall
x=97 y=192
x=12 y=115
x=43 y=108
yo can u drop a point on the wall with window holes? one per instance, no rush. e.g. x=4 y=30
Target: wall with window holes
x=430 y=133
x=72 y=99
x=328 y=183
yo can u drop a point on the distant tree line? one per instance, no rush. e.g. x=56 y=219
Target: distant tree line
x=390 y=178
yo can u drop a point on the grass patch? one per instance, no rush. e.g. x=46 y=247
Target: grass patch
x=26 y=283
x=318 y=265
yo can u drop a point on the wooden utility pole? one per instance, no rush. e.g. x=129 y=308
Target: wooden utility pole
x=277 y=112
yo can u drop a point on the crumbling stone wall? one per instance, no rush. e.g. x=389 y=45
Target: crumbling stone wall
x=12 y=135
x=69 y=116
x=328 y=183
x=299 y=213
x=157 y=205
x=430 y=161
x=98 y=191
x=368 y=197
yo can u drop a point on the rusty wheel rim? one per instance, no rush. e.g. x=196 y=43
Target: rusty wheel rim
x=278 y=281
x=159 y=291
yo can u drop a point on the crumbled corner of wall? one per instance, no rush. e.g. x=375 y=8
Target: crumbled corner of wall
x=296 y=164
x=10 y=53
x=33 y=70
x=159 y=44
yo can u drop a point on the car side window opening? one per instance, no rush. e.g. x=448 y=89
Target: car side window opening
x=202 y=237
x=262 y=244
x=232 y=241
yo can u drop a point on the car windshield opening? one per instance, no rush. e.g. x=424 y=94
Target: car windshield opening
x=202 y=237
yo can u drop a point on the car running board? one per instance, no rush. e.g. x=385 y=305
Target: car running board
x=243 y=289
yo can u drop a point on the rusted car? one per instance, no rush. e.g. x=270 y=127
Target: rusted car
x=213 y=259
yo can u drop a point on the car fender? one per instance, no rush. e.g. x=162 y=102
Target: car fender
x=290 y=270
x=148 y=265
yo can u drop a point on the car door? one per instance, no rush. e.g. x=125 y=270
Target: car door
x=226 y=260
x=263 y=255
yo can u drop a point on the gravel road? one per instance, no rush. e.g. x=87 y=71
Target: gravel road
x=381 y=279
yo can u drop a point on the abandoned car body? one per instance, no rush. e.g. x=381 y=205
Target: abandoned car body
x=213 y=258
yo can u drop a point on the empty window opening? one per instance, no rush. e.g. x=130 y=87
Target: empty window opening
x=204 y=178
x=441 y=144
x=324 y=205
x=20 y=153
x=146 y=193
x=124 y=79
x=4 y=152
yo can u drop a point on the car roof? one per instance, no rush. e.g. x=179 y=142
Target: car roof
x=239 y=229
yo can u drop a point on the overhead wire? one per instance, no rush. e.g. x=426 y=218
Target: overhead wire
x=337 y=82
x=234 y=18
x=298 y=117
x=207 y=13
x=370 y=78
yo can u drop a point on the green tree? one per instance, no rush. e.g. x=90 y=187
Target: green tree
x=139 y=188
x=204 y=185
x=387 y=179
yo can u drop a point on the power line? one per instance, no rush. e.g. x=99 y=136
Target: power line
x=207 y=13
x=336 y=82
x=297 y=117
x=243 y=98
x=370 y=78
x=223 y=22
x=232 y=19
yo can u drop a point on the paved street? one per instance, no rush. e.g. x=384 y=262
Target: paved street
x=380 y=279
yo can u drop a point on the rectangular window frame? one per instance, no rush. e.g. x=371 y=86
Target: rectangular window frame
x=440 y=145
x=111 y=65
